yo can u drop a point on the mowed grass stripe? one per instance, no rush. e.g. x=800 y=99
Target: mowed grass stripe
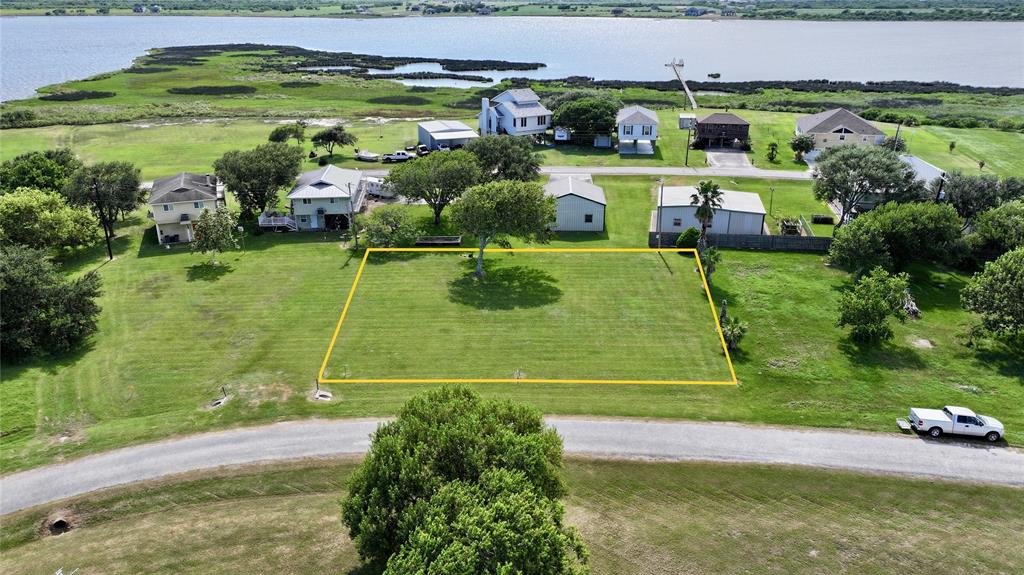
x=573 y=316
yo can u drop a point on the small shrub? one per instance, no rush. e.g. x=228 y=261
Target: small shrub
x=77 y=95
x=322 y=161
x=688 y=239
x=212 y=90
x=422 y=89
x=300 y=84
x=402 y=100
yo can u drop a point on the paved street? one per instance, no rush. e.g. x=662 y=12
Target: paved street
x=602 y=438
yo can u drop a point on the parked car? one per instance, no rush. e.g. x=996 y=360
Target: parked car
x=422 y=150
x=398 y=156
x=955 y=420
x=365 y=156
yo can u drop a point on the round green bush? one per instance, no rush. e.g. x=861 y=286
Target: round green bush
x=688 y=239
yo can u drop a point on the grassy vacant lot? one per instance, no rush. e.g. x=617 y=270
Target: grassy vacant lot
x=1003 y=152
x=174 y=331
x=574 y=316
x=650 y=518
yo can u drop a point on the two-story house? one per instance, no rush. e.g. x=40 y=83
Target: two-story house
x=175 y=203
x=516 y=112
x=325 y=198
x=722 y=129
x=637 y=129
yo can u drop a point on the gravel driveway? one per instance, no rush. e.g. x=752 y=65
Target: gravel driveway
x=602 y=438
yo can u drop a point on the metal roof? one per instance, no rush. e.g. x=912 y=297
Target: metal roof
x=522 y=95
x=828 y=121
x=327 y=182
x=439 y=126
x=184 y=187
x=924 y=171
x=732 y=201
x=636 y=115
x=575 y=186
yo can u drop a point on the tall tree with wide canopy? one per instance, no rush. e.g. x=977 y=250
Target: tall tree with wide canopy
x=333 y=136
x=504 y=157
x=707 y=198
x=850 y=175
x=971 y=195
x=109 y=189
x=586 y=118
x=40 y=310
x=44 y=220
x=48 y=170
x=437 y=180
x=255 y=176
x=497 y=210
x=446 y=435
x=496 y=525
x=289 y=131
x=997 y=294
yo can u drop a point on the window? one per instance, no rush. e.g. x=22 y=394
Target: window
x=676 y=222
x=332 y=200
x=197 y=205
x=842 y=137
x=588 y=218
x=542 y=120
x=168 y=207
x=304 y=219
x=627 y=130
x=522 y=122
x=647 y=130
x=307 y=201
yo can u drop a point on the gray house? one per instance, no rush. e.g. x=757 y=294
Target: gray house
x=637 y=129
x=325 y=198
x=176 y=202
x=838 y=127
x=580 y=204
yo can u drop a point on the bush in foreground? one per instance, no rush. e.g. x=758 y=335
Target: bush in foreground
x=997 y=294
x=868 y=306
x=40 y=311
x=392 y=226
x=444 y=436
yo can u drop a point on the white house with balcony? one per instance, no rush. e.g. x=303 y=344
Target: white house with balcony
x=176 y=202
x=322 y=199
x=637 y=129
x=516 y=112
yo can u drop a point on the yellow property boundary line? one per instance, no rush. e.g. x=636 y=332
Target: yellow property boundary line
x=355 y=283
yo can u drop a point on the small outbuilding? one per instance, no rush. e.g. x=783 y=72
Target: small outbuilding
x=741 y=213
x=451 y=133
x=687 y=121
x=580 y=203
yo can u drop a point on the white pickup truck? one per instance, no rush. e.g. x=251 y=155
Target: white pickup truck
x=957 y=420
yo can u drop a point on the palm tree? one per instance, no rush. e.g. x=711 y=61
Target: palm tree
x=709 y=259
x=707 y=199
x=733 y=331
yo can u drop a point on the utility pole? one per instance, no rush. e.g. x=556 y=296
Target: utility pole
x=896 y=138
x=771 y=201
x=107 y=227
x=352 y=218
x=689 y=132
x=661 y=202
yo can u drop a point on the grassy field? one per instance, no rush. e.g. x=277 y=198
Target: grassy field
x=642 y=518
x=1003 y=152
x=571 y=316
x=174 y=331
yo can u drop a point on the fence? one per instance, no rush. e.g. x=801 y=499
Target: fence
x=752 y=242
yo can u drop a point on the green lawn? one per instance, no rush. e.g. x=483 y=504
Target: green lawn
x=636 y=518
x=1003 y=152
x=571 y=316
x=173 y=332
